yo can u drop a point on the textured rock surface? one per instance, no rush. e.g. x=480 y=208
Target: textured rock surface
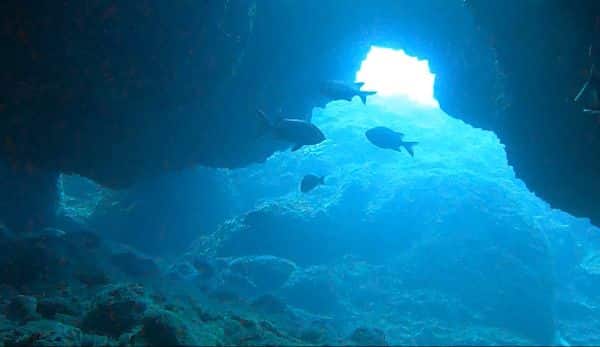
x=556 y=49
x=116 y=310
x=44 y=333
x=50 y=307
x=268 y=273
x=191 y=201
x=164 y=328
x=368 y=337
x=29 y=198
x=153 y=99
x=124 y=313
x=452 y=229
x=22 y=308
x=312 y=289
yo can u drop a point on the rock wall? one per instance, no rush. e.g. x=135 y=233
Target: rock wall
x=116 y=91
x=545 y=51
x=29 y=198
x=119 y=91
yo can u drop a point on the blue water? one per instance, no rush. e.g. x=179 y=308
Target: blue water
x=446 y=247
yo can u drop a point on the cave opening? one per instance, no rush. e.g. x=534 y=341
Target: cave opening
x=393 y=73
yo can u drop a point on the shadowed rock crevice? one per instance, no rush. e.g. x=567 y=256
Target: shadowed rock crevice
x=29 y=198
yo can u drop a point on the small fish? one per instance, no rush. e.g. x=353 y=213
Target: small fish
x=590 y=111
x=299 y=132
x=340 y=90
x=310 y=182
x=591 y=87
x=383 y=137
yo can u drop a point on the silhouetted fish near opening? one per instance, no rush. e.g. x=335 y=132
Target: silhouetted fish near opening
x=383 y=137
x=310 y=182
x=296 y=131
x=339 y=90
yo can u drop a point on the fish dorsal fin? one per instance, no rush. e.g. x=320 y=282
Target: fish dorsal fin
x=264 y=124
x=359 y=84
x=263 y=117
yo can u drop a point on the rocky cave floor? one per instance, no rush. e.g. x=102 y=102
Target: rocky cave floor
x=73 y=288
x=471 y=258
x=56 y=291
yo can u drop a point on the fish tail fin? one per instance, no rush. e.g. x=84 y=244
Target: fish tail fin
x=363 y=96
x=409 y=147
x=322 y=180
x=581 y=91
x=593 y=81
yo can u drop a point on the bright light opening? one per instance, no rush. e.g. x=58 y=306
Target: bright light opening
x=394 y=73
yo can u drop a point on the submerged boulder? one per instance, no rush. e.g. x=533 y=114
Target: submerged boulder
x=115 y=310
x=46 y=333
x=368 y=337
x=237 y=284
x=50 y=307
x=312 y=289
x=164 y=328
x=182 y=271
x=203 y=270
x=134 y=264
x=22 y=308
x=267 y=273
x=271 y=304
x=503 y=273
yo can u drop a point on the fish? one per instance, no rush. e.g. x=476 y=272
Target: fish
x=298 y=132
x=340 y=90
x=310 y=182
x=387 y=138
x=591 y=111
x=592 y=88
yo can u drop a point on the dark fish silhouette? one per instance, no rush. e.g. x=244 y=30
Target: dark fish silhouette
x=299 y=132
x=339 y=90
x=310 y=182
x=387 y=138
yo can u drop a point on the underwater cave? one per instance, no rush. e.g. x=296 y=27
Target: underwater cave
x=299 y=173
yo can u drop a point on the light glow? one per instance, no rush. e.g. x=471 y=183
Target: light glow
x=392 y=72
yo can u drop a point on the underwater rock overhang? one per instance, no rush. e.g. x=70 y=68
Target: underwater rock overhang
x=87 y=92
